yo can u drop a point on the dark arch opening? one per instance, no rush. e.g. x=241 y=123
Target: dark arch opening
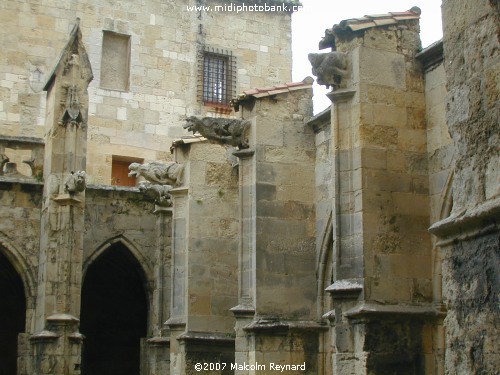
x=113 y=313
x=12 y=315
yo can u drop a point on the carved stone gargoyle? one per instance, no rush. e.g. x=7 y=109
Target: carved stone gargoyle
x=329 y=67
x=158 y=173
x=75 y=183
x=233 y=132
x=160 y=193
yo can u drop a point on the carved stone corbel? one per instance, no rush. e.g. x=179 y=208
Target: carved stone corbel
x=233 y=132
x=329 y=68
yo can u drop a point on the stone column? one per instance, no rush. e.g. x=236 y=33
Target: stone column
x=245 y=311
x=177 y=320
x=275 y=315
x=158 y=346
x=57 y=341
x=381 y=293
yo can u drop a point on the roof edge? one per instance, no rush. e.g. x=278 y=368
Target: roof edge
x=431 y=55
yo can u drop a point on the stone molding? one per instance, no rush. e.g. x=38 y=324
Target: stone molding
x=243 y=311
x=345 y=289
x=193 y=337
x=275 y=325
x=468 y=224
x=370 y=310
x=340 y=95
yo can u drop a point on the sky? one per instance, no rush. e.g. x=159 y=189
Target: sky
x=310 y=22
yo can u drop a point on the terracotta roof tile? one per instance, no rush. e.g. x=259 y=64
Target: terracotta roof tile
x=274 y=90
x=367 y=22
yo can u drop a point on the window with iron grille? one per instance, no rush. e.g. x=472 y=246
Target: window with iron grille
x=218 y=79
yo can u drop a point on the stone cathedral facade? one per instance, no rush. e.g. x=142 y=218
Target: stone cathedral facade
x=170 y=205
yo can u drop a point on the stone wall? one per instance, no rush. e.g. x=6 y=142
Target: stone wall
x=277 y=245
x=20 y=205
x=469 y=237
x=163 y=84
x=120 y=214
x=440 y=155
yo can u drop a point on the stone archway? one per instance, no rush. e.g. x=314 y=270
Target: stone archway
x=114 y=313
x=12 y=314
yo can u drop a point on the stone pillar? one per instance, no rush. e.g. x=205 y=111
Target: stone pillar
x=245 y=311
x=177 y=320
x=57 y=341
x=382 y=263
x=469 y=237
x=204 y=259
x=275 y=317
x=158 y=346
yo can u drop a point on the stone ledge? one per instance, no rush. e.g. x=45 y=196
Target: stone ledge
x=345 y=289
x=158 y=341
x=245 y=153
x=67 y=200
x=375 y=310
x=469 y=224
x=44 y=336
x=132 y=189
x=341 y=95
x=243 y=311
x=11 y=140
x=20 y=180
x=193 y=337
x=62 y=318
x=274 y=325
x=175 y=323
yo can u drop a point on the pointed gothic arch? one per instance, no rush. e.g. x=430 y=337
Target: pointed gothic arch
x=22 y=266
x=115 y=309
x=13 y=295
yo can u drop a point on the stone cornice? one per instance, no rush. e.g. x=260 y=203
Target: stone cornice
x=282 y=326
x=372 y=310
x=207 y=337
x=475 y=222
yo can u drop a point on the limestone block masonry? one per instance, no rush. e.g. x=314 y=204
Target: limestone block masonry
x=160 y=62
x=363 y=240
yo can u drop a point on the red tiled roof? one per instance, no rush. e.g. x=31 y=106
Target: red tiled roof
x=261 y=92
x=366 y=22
x=391 y=18
x=269 y=91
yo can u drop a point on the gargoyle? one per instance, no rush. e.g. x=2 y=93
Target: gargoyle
x=221 y=130
x=160 y=193
x=158 y=173
x=329 y=67
x=75 y=183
